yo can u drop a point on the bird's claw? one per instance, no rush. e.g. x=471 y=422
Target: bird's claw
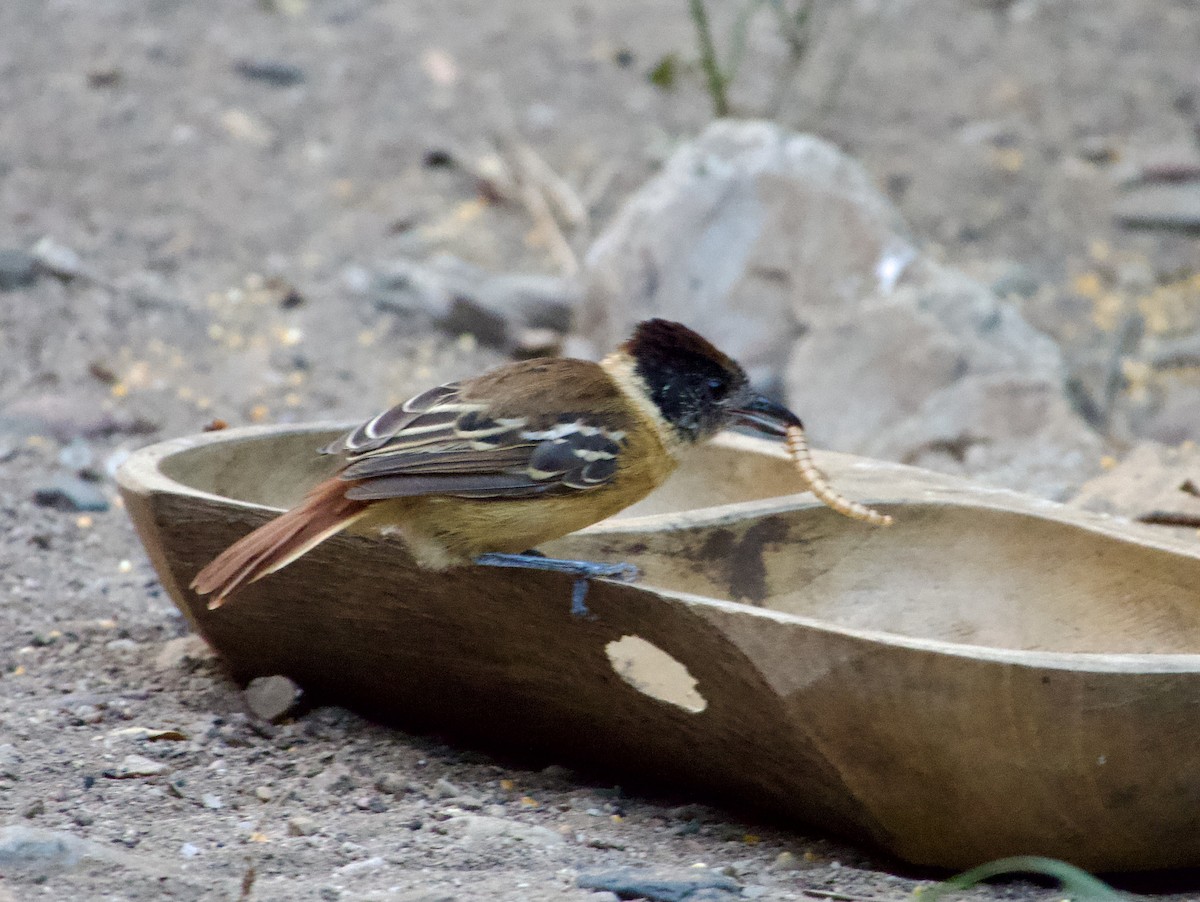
x=583 y=571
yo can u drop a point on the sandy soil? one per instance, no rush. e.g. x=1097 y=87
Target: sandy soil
x=198 y=198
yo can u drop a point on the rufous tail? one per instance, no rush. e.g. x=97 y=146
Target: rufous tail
x=324 y=512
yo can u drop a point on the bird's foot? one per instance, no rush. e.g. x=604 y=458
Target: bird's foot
x=582 y=570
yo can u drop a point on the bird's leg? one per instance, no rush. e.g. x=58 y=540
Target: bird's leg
x=581 y=570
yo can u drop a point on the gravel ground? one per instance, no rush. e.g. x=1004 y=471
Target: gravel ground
x=227 y=215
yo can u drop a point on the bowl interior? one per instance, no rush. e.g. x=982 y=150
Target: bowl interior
x=276 y=469
x=957 y=572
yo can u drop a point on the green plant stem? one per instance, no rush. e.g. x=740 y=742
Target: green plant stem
x=717 y=83
x=1078 y=884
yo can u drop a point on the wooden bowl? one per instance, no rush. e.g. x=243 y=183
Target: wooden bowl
x=993 y=675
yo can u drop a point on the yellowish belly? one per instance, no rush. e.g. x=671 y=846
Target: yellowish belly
x=443 y=532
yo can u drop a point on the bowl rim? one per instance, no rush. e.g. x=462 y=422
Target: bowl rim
x=141 y=474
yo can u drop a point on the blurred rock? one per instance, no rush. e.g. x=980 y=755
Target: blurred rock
x=1017 y=431
x=779 y=247
x=1152 y=479
x=1099 y=149
x=30 y=849
x=17 y=269
x=1161 y=206
x=748 y=233
x=1175 y=353
x=884 y=361
x=137 y=766
x=184 y=651
x=302 y=826
x=271 y=698
x=789 y=861
x=10 y=762
x=66 y=417
x=481 y=827
x=70 y=493
x=392 y=784
x=628 y=883
x=1015 y=281
x=275 y=73
x=501 y=311
x=1175 y=415
x=76 y=455
x=57 y=259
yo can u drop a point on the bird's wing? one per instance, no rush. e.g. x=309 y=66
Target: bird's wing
x=445 y=442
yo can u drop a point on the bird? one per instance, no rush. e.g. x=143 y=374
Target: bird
x=484 y=470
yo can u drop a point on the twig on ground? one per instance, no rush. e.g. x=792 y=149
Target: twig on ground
x=538 y=188
x=837 y=896
x=598 y=184
x=1169 y=518
x=543 y=192
x=562 y=197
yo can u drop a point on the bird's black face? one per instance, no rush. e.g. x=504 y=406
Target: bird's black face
x=696 y=388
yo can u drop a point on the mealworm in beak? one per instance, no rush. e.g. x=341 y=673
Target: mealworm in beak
x=797 y=446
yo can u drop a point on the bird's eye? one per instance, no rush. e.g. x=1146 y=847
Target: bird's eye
x=717 y=387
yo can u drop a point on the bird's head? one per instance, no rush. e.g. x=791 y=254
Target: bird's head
x=697 y=390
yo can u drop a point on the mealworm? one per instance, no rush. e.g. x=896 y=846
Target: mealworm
x=797 y=446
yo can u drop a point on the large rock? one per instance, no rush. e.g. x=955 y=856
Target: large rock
x=1154 y=483
x=780 y=248
x=500 y=310
x=747 y=232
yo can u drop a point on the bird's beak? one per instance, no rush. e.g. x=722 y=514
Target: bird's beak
x=763 y=414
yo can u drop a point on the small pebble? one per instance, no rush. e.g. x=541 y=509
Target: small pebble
x=185 y=650
x=392 y=784
x=122 y=646
x=630 y=883
x=444 y=789
x=33 y=809
x=271 y=698
x=57 y=259
x=17 y=269
x=29 y=848
x=365 y=866
x=70 y=493
x=136 y=766
x=275 y=73
x=558 y=774
x=302 y=826
x=599 y=842
x=86 y=714
x=1161 y=206
x=211 y=801
x=10 y=760
x=786 y=861
x=77 y=455
x=264 y=794
x=187 y=850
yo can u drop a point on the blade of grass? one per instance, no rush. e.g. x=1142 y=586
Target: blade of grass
x=1078 y=884
x=717 y=82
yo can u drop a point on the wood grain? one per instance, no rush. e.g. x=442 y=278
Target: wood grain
x=993 y=675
